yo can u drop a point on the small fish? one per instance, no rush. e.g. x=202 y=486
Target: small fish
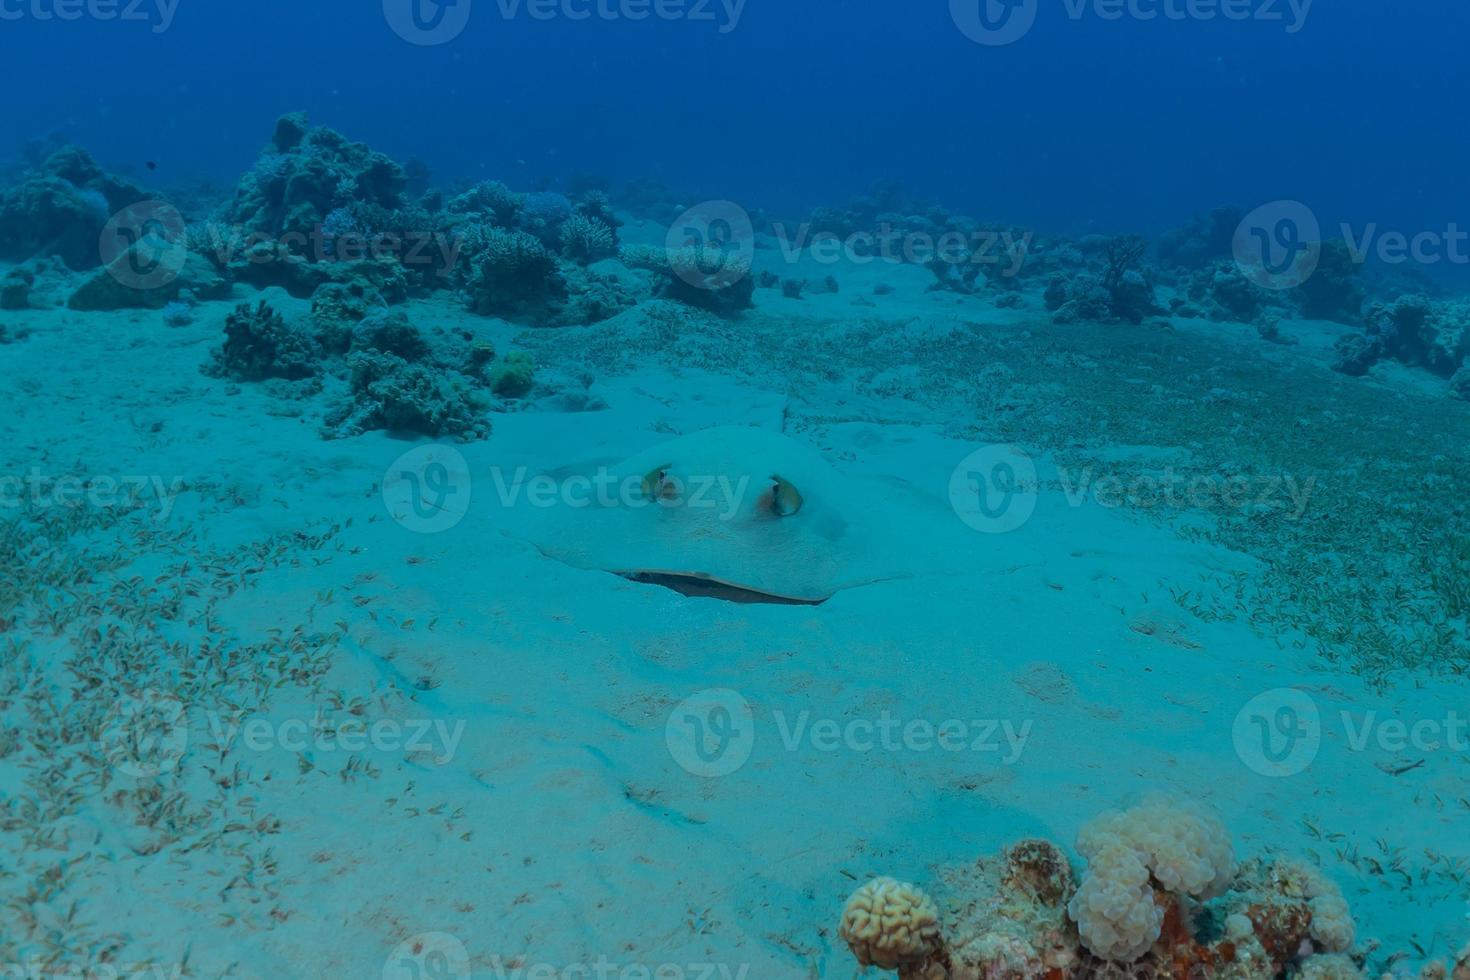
x=151 y=165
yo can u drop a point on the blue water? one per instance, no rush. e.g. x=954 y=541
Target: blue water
x=1086 y=124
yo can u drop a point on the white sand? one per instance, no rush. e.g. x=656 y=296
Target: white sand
x=562 y=829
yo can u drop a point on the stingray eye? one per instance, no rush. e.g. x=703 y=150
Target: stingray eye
x=785 y=498
x=656 y=484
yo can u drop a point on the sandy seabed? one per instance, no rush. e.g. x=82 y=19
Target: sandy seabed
x=388 y=739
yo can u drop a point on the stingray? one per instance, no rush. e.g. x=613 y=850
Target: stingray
x=741 y=514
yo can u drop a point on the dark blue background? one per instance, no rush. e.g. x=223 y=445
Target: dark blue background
x=1089 y=125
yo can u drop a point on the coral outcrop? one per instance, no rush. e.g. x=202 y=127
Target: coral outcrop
x=1160 y=898
x=1413 y=330
x=303 y=176
x=515 y=277
x=60 y=209
x=705 y=278
x=260 y=344
x=893 y=926
x=1117 y=286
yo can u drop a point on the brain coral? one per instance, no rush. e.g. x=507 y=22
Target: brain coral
x=890 y=924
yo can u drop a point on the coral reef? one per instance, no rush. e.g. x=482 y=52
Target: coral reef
x=1202 y=241
x=1076 y=298
x=1221 y=291
x=260 y=344
x=516 y=277
x=40 y=284
x=515 y=376
x=1414 y=330
x=128 y=283
x=303 y=176
x=705 y=278
x=490 y=201
x=60 y=208
x=388 y=392
x=585 y=240
x=1161 y=898
x=1115 y=287
x=338 y=307
x=1332 y=291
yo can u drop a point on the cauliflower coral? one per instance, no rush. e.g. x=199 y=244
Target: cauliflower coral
x=1161 y=845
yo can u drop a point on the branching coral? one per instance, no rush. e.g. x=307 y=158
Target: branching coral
x=516 y=277
x=586 y=240
x=492 y=201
